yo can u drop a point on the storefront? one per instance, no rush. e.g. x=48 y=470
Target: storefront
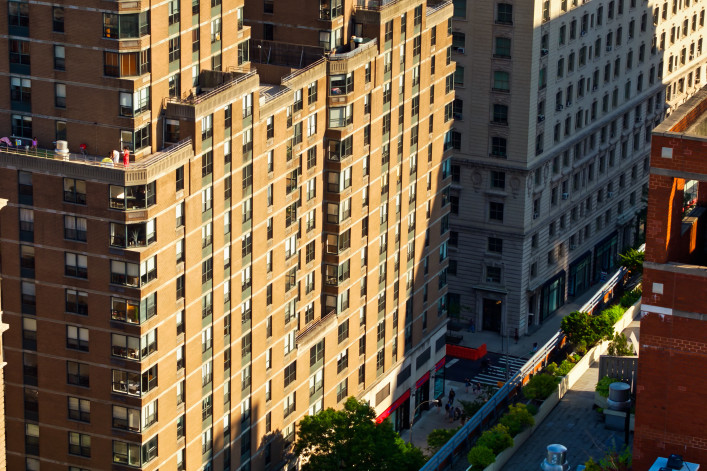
x=422 y=394
x=580 y=275
x=552 y=296
x=398 y=413
x=606 y=256
x=439 y=376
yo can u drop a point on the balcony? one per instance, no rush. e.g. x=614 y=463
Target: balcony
x=101 y=168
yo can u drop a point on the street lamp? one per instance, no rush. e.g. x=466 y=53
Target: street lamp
x=438 y=402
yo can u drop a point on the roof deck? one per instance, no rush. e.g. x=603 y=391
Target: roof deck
x=93 y=167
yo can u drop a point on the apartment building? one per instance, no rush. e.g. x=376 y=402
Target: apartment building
x=124 y=283
x=550 y=169
x=669 y=392
x=3 y=327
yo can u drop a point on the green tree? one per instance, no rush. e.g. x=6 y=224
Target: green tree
x=632 y=260
x=620 y=347
x=577 y=326
x=349 y=439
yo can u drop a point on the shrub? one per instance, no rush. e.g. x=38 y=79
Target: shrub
x=480 y=457
x=564 y=368
x=471 y=407
x=551 y=368
x=620 y=347
x=603 y=324
x=577 y=327
x=612 y=461
x=517 y=419
x=602 y=386
x=614 y=313
x=540 y=387
x=630 y=298
x=496 y=439
x=532 y=408
x=438 y=437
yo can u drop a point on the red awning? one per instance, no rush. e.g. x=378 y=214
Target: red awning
x=422 y=380
x=440 y=363
x=398 y=402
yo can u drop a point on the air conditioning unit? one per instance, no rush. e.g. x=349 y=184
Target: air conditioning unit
x=559 y=108
x=544 y=52
x=218 y=36
x=608 y=48
x=541 y=118
x=569 y=103
x=594 y=88
x=536 y=215
x=565 y=196
x=573 y=246
x=583 y=33
x=461 y=50
x=610 y=194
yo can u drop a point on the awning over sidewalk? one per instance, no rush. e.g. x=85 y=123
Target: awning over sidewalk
x=398 y=402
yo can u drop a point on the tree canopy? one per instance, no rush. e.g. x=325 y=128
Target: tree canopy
x=349 y=439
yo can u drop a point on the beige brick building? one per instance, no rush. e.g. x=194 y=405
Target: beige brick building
x=554 y=107
x=277 y=242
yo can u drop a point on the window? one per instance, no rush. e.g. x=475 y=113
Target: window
x=501 y=81
x=22 y=126
x=59 y=58
x=342 y=390
x=503 y=48
x=77 y=374
x=343 y=331
x=79 y=444
x=126 y=453
x=77 y=338
x=76 y=302
x=126 y=64
x=75 y=228
x=290 y=373
x=504 y=13
x=126 y=26
x=496 y=211
x=493 y=274
x=18 y=16
x=79 y=409
x=498 y=147
x=500 y=114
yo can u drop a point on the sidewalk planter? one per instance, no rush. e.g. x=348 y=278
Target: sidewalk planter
x=566 y=383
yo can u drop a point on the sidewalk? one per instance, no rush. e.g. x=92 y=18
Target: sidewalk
x=436 y=419
x=495 y=343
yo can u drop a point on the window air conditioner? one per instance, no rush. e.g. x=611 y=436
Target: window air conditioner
x=565 y=196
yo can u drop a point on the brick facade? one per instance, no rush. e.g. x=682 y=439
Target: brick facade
x=670 y=412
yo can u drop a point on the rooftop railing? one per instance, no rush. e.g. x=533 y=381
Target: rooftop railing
x=96 y=160
x=354 y=52
x=200 y=98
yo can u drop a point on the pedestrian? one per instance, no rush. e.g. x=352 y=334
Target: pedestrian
x=467 y=382
x=477 y=388
x=457 y=413
x=126 y=156
x=535 y=348
x=116 y=157
x=463 y=417
x=35 y=142
x=516 y=336
x=485 y=364
x=446 y=410
x=83 y=148
x=451 y=396
x=451 y=414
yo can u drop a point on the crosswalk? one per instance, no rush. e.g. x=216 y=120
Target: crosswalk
x=496 y=372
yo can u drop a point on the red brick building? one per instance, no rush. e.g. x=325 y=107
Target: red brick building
x=671 y=414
